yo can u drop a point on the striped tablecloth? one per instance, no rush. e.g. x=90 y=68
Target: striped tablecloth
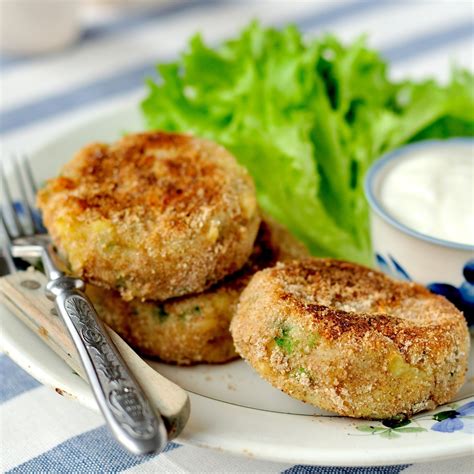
x=42 y=96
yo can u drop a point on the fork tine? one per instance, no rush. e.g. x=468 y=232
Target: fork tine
x=31 y=185
x=29 y=175
x=7 y=240
x=25 y=202
x=10 y=212
x=5 y=233
x=8 y=259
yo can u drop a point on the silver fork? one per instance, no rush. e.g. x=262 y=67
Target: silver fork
x=125 y=407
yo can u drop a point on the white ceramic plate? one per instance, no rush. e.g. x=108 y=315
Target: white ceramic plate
x=232 y=408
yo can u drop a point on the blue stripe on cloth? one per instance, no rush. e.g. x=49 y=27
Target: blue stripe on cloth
x=300 y=469
x=430 y=41
x=7 y=60
x=13 y=379
x=94 y=451
x=339 y=12
x=162 y=12
x=132 y=79
x=129 y=22
x=50 y=106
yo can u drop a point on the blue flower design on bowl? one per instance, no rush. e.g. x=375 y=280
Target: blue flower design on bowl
x=462 y=297
x=461 y=419
x=391 y=267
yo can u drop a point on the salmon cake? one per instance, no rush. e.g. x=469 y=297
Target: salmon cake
x=153 y=216
x=193 y=329
x=348 y=339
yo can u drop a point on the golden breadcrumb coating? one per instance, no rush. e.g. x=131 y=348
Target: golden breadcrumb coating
x=193 y=329
x=155 y=215
x=349 y=339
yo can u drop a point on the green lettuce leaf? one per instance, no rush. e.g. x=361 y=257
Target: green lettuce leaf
x=307 y=118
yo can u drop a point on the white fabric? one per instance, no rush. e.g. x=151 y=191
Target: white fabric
x=36 y=420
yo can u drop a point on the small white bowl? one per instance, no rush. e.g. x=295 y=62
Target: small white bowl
x=445 y=267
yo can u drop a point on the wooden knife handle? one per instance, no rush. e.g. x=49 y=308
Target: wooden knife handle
x=23 y=293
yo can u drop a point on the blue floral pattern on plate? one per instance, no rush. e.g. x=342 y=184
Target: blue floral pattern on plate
x=456 y=419
x=460 y=419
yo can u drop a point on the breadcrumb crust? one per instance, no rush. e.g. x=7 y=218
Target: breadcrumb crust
x=195 y=328
x=351 y=340
x=155 y=215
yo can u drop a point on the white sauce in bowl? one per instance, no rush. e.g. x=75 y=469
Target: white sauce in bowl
x=433 y=193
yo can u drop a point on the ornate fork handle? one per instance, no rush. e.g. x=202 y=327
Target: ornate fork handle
x=121 y=400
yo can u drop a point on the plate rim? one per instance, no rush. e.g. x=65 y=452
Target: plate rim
x=453 y=447
x=450 y=447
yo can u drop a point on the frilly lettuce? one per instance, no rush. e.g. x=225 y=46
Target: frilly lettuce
x=307 y=118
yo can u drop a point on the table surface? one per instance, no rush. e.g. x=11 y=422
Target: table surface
x=43 y=95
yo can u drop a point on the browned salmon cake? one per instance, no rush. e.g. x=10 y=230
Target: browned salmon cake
x=155 y=215
x=193 y=329
x=349 y=339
